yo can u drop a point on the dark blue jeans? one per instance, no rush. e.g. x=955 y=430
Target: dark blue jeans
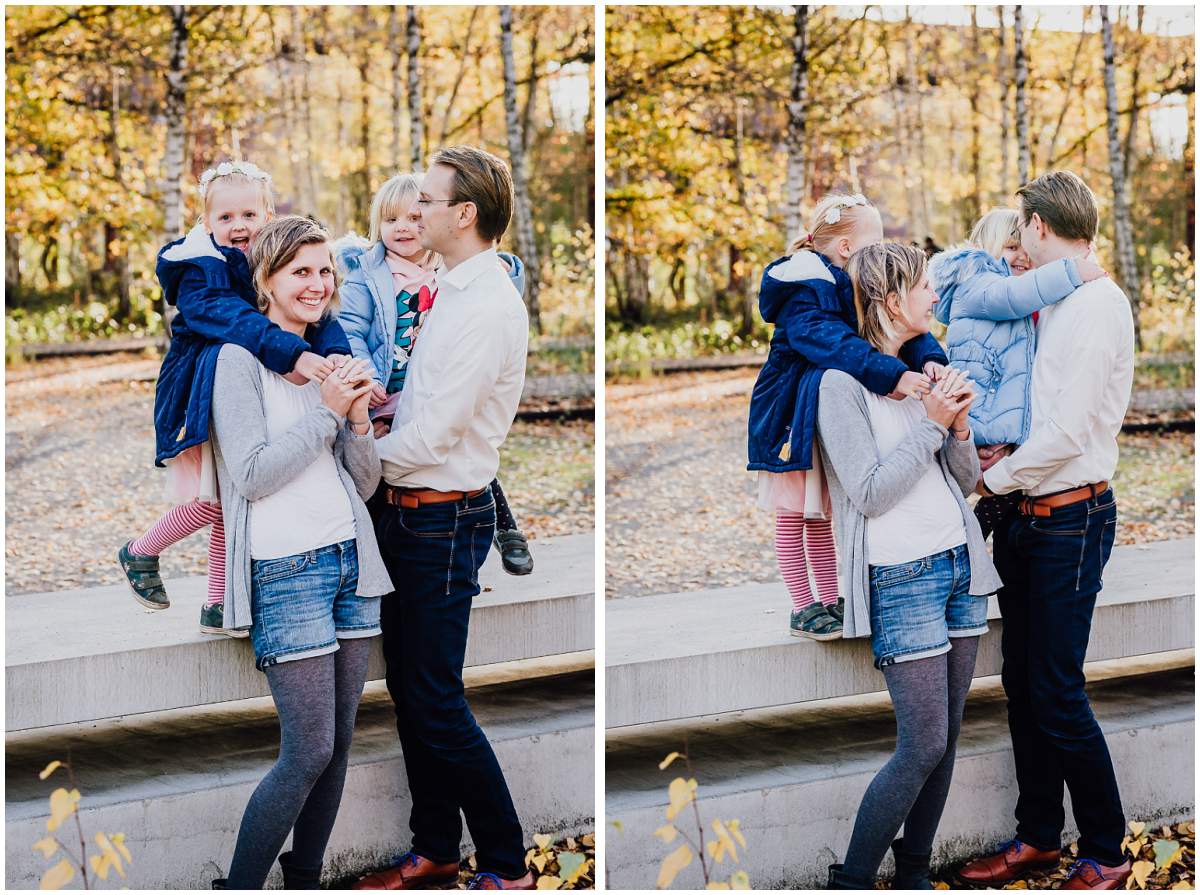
x=1052 y=569
x=433 y=554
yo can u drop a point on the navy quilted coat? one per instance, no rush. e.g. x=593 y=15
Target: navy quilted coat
x=811 y=303
x=211 y=286
x=990 y=333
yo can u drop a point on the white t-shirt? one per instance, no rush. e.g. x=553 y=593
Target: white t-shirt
x=927 y=519
x=313 y=509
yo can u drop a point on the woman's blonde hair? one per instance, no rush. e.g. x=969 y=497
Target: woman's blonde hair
x=995 y=230
x=394 y=199
x=846 y=212
x=277 y=244
x=878 y=271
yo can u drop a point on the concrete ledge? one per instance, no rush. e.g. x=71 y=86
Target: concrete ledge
x=708 y=652
x=87 y=654
x=177 y=788
x=795 y=777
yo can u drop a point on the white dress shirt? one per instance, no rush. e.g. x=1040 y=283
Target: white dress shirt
x=464 y=382
x=1082 y=380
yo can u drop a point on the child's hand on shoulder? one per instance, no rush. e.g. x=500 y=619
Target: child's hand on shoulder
x=1089 y=270
x=913 y=385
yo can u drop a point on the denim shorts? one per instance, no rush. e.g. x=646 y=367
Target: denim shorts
x=916 y=607
x=300 y=605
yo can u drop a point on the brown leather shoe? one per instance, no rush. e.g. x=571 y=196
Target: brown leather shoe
x=1014 y=860
x=411 y=872
x=1088 y=874
x=487 y=880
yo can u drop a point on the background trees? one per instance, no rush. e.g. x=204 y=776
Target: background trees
x=719 y=124
x=114 y=111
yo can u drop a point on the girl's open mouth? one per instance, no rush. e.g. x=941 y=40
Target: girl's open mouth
x=241 y=242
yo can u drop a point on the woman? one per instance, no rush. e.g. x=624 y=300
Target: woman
x=915 y=571
x=295 y=461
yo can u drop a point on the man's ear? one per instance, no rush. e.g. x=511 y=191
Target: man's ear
x=467 y=213
x=1039 y=226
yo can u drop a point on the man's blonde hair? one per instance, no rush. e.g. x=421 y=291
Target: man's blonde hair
x=277 y=244
x=1064 y=202
x=483 y=179
x=395 y=199
x=995 y=230
x=821 y=235
x=878 y=271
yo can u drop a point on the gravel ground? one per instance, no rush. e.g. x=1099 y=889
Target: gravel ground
x=81 y=480
x=680 y=506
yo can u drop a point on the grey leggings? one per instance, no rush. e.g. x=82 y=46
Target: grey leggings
x=911 y=789
x=317 y=700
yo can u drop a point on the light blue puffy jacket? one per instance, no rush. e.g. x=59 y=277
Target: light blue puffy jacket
x=990 y=332
x=368 y=297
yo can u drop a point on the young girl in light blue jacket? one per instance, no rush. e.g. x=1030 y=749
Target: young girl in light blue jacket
x=988 y=297
x=390 y=284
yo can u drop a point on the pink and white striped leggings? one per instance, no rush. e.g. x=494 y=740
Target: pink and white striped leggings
x=177 y=524
x=801 y=545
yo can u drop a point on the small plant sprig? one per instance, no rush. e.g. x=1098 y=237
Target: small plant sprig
x=64 y=804
x=680 y=794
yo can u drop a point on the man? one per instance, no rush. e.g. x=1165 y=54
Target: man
x=1052 y=553
x=434 y=516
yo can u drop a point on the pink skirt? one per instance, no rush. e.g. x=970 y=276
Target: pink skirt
x=798 y=491
x=192 y=475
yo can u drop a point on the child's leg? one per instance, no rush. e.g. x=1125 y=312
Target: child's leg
x=216 y=563
x=789 y=551
x=822 y=559
x=505 y=521
x=176 y=525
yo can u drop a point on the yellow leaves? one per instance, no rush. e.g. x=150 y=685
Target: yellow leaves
x=538 y=861
x=1182 y=884
x=739 y=880
x=47 y=846
x=667 y=833
x=62 y=806
x=1141 y=872
x=618 y=825
x=680 y=793
x=724 y=844
x=587 y=840
x=1136 y=827
x=735 y=830
x=118 y=841
x=49 y=769
x=108 y=859
x=666 y=762
x=571 y=866
x=672 y=864
x=716 y=885
x=543 y=841
x=57 y=876
x=548 y=882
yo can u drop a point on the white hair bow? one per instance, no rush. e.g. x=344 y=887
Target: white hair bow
x=226 y=168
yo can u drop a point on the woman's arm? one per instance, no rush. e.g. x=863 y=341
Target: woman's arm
x=874 y=486
x=257 y=466
x=963 y=461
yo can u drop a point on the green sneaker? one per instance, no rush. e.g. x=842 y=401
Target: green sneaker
x=838 y=610
x=212 y=621
x=144 y=580
x=815 y=623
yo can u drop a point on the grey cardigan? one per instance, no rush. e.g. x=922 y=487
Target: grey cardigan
x=863 y=484
x=249 y=468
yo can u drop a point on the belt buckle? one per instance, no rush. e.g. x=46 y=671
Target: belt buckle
x=1040 y=511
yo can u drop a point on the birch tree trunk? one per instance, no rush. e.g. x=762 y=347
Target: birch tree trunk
x=416 y=114
x=176 y=111
x=1003 y=79
x=1126 y=258
x=397 y=85
x=173 y=160
x=797 y=124
x=117 y=260
x=1021 y=63
x=1130 y=151
x=516 y=155
x=976 y=122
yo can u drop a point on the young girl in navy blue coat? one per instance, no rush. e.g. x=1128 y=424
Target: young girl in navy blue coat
x=809 y=298
x=390 y=285
x=989 y=298
x=206 y=277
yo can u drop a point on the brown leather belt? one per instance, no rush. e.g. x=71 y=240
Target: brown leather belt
x=1042 y=505
x=411 y=498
